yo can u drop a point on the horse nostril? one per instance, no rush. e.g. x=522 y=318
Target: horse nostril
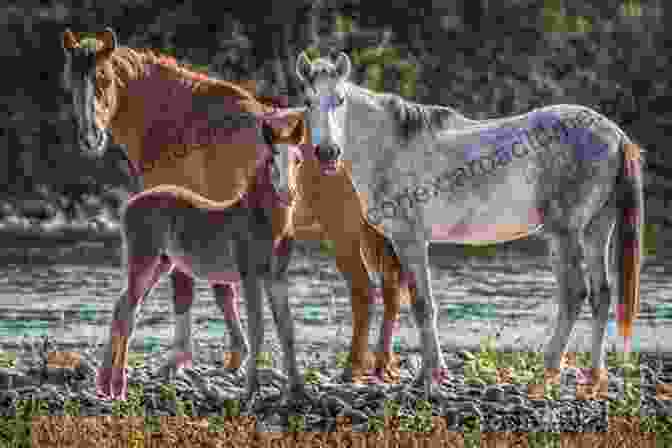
x=328 y=153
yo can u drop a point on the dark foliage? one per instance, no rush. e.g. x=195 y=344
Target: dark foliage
x=485 y=58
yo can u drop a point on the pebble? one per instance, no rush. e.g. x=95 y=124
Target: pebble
x=498 y=406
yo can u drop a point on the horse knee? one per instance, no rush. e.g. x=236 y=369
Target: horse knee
x=226 y=297
x=141 y=276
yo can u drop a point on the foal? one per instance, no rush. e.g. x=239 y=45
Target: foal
x=171 y=225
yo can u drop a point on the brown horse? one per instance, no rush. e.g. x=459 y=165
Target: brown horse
x=141 y=96
x=178 y=127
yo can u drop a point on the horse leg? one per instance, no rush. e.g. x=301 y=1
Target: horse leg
x=227 y=299
x=566 y=257
x=349 y=262
x=598 y=264
x=183 y=298
x=414 y=259
x=276 y=283
x=387 y=363
x=143 y=274
x=252 y=287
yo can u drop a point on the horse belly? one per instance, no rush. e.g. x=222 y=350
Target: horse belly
x=212 y=260
x=501 y=211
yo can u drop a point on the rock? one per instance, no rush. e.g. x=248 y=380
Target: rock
x=357 y=416
x=494 y=393
x=11 y=378
x=334 y=404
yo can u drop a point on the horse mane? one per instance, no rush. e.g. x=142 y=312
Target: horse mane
x=412 y=119
x=126 y=64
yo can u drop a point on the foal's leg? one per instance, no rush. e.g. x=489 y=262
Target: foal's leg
x=183 y=298
x=566 y=257
x=276 y=283
x=349 y=262
x=247 y=253
x=143 y=274
x=227 y=299
x=414 y=259
x=255 y=325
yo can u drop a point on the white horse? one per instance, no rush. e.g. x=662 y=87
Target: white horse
x=428 y=173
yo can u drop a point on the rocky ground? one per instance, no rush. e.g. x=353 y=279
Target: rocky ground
x=499 y=407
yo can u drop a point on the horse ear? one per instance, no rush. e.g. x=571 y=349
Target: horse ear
x=303 y=68
x=343 y=65
x=109 y=40
x=69 y=40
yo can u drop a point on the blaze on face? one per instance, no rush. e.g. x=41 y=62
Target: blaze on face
x=80 y=80
x=325 y=112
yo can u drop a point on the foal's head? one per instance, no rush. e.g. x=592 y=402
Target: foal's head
x=90 y=80
x=325 y=93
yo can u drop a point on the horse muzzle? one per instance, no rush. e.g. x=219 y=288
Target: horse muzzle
x=93 y=142
x=328 y=157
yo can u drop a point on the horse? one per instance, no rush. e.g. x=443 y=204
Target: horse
x=186 y=129
x=125 y=91
x=429 y=174
x=163 y=225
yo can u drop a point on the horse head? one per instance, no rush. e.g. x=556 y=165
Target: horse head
x=93 y=96
x=325 y=99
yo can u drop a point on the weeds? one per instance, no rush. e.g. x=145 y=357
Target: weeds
x=8 y=360
x=230 y=409
x=343 y=360
x=481 y=368
x=421 y=421
x=15 y=431
x=132 y=406
x=313 y=376
x=543 y=440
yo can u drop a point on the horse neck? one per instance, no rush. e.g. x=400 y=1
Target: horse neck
x=459 y=121
x=135 y=101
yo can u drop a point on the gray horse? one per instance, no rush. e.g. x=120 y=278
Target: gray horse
x=429 y=174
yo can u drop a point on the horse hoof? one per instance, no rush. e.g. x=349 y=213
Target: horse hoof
x=438 y=377
x=175 y=364
x=111 y=383
x=234 y=360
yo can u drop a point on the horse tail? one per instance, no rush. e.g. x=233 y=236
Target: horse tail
x=177 y=193
x=629 y=227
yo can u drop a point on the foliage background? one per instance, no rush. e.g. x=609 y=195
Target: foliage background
x=487 y=58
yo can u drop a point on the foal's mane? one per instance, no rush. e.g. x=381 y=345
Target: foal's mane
x=411 y=119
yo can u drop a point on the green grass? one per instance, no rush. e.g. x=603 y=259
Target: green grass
x=8 y=360
x=481 y=367
x=543 y=440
